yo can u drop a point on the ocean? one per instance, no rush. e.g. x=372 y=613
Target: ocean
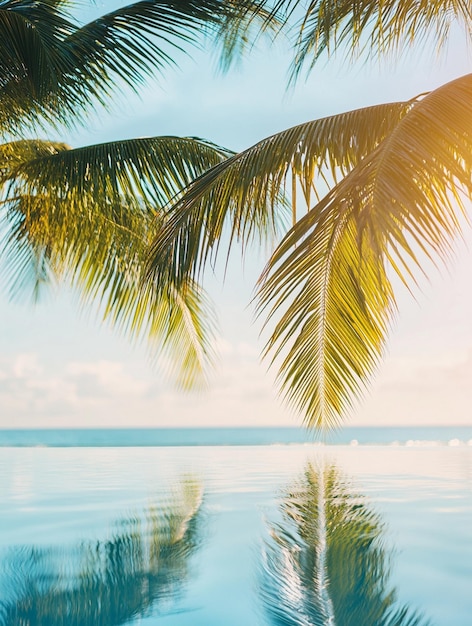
x=161 y=437
x=232 y=527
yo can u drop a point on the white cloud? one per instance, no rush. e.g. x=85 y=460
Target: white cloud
x=109 y=376
x=409 y=390
x=26 y=365
x=422 y=389
x=32 y=394
x=114 y=393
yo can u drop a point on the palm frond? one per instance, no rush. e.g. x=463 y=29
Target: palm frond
x=244 y=25
x=136 y=40
x=30 y=33
x=89 y=214
x=371 y=28
x=328 y=282
x=50 y=66
x=332 y=299
x=246 y=192
x=26 y=268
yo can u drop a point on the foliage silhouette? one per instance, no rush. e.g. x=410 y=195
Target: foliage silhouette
x=83 y=216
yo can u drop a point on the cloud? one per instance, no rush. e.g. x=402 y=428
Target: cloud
x=26 y=365
x=84 y=393
x=115 y=393
x=421 y=389
x=80 y=392
x=105 y=377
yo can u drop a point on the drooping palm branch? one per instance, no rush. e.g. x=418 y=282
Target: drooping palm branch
x=328 y=283
x=86 y=216
x=244 y=191
x=399 y=172
x=370 y=28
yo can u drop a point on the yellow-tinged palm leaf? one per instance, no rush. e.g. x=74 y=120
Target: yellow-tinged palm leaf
x=332 y=300
x=86 y=216
x=327 y=284
x=245 y=192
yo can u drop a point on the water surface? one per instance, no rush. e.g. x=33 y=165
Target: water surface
x=229 y=535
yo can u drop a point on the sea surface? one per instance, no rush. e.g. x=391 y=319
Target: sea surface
x=236 y=527
x=127 y=437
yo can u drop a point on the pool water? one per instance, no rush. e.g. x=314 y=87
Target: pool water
x=298 y=534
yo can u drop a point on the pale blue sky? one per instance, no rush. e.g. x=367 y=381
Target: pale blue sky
x=59 y=368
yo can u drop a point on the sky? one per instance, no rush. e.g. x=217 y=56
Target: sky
x=60 y=367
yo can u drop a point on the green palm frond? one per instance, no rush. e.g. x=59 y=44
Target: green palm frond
x=371 y=27
x=136 y=40
x=88 y=214
x=30 y=33
x=327 y=285
x=50 y=66
x=240 y=30
x=155 y=168
x=246 y=192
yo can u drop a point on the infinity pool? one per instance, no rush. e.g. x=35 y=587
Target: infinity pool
x=236 y=535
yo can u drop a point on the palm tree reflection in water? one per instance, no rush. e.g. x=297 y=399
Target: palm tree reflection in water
x=326 y=563
x=106 y=583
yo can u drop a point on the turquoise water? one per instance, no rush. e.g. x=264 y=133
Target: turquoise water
x=300 y=534
x=107 y=437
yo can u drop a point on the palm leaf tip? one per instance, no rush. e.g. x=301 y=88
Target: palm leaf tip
x=332 y=302
x=190 y=338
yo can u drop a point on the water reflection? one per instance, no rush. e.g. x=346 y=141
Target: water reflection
x=106 y=583
x=326 y=561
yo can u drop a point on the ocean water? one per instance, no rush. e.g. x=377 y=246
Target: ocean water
x=375 y=531
x=177 y=437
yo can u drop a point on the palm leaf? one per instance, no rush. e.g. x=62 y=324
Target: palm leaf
x=30 y=33
x=332 y=300
x=88 y=215
x=133 y=41
x=244 y=25
x=50 y=65
x=370 y=28
x=246 y=192
x=328 y=282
